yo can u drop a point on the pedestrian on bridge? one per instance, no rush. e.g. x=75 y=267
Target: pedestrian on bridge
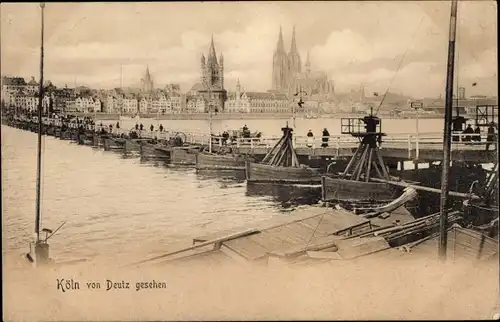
x=477 y=135
x=152 y=127
x=491 y=138
x=468 y=130
x=161 y=127
x=325 y=138
x=310 y=139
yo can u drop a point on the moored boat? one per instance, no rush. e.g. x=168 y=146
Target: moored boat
x=281 y=165
x=264 y=173
x=213 y=161
x=150 y=150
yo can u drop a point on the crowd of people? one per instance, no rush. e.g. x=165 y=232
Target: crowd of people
x=473 y=136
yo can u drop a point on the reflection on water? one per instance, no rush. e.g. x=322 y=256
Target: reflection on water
x=287 y=196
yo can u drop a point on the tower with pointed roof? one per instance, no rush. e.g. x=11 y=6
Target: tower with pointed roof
x=280 y=66
x=212 y=78
x=294 y=62
x=147 y=81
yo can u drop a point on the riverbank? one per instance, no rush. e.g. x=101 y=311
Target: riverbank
x=230 y=116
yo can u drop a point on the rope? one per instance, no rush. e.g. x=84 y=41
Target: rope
x=399 y=66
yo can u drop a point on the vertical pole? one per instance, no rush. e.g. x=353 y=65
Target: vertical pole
x=443 y=238
x=39 y=156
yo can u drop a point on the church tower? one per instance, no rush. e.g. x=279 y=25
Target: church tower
x=280 y=66
x=294 y=63
x=212 y=79
x=147 y=81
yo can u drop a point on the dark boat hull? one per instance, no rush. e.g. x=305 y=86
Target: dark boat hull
x=153 y=151
x=183 y=156
x=351 y=190
x=132 y=146
x=262 y=173
x=206 y=161
x=113 y=144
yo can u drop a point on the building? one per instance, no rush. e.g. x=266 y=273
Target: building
x=212 y=80
x=257 y=102
x=288 y=77
x=147 y=82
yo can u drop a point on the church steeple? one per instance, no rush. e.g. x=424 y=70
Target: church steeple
x=293 y=47
x=280 y=66
x=281 y=46
x=212 y=56
x=294 y=62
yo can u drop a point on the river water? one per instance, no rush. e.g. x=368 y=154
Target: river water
x=120 y=210
x=115 y=205
x=272 y=127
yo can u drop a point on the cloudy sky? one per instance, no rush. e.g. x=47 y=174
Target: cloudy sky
x=354 y=42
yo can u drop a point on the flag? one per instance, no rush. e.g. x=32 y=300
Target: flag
x=375 y=94
x=474 y=84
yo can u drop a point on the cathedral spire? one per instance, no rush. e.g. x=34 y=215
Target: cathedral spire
x=281 y=46
x=293 y=48
x=211 y=51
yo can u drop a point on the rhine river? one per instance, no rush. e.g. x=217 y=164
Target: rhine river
x=119 y=210
x=114 y=206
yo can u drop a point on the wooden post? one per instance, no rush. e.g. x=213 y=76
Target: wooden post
x=443 y=237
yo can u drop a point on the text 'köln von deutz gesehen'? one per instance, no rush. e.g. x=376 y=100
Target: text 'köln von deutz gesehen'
x=109 y=285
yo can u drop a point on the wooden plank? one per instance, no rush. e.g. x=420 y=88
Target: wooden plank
x=218 y=240
x=356 y=247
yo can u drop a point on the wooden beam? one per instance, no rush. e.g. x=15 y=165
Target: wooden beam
x=428 y=189
x=209 y=242
x=368 y=166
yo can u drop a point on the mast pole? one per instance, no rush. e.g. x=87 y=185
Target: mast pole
x=443 y=238
x=39 y=151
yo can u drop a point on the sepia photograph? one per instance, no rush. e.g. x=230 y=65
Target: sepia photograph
x=249 y=160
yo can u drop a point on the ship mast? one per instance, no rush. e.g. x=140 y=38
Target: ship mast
x=443 y=238
x=39 y=149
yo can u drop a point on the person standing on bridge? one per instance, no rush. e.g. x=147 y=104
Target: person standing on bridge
x=325 y=138
x=468 y=130
x=152 y=127
x=310 y=139
x=477 y=135
x=161 y=127
x=491 y=138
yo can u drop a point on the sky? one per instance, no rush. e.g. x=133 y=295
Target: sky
x=397 y=45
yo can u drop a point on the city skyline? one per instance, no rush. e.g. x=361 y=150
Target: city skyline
x=355 y=43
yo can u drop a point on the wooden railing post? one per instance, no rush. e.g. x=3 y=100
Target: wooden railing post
x=409 y=147
x=417 y=148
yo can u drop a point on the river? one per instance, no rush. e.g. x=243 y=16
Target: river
x=272 y=127
x=109 y=202
x=119 y=210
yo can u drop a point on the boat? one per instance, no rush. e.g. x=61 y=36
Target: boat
x=111 y=143
x=281 y=165
x=153 y=150
x=218 y=161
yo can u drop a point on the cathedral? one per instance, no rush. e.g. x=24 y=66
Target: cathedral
x=288 y=76
x=212 y=79
x=147 y=82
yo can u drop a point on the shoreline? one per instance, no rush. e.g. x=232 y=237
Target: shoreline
x=237 y=116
